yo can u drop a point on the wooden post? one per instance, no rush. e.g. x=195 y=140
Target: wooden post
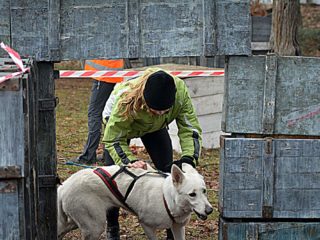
x=46 y=151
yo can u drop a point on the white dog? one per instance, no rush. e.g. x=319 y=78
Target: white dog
x=159 y=202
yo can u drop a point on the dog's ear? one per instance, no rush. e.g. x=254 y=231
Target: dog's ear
x=177 y=175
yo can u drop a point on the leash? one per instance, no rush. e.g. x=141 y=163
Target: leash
x=112 y=185
x=78 y=164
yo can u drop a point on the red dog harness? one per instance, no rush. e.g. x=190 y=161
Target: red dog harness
x=112 y=185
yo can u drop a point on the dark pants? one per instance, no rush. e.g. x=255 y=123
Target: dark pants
x=159 y=147
x=100 y=93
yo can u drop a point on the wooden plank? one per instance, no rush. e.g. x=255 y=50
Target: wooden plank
x=270 y=178
x=4 y=24
x=210 y=122
x=269 y=95
x=30 y=162
x=208 y=104
x=260 y=46
x=261 y=28
x=210 y=35
x=54 y=30
x=29 y=28
x=233 y=27
x=232 y=230
x=134 y=43
x=204 y=86
x=296 y=96
x=240 y=112
x=11 y=224
x=46 y=153
x=11 y=128
x=64 y=30
x=210 y=140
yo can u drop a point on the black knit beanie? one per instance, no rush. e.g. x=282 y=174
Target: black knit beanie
x=160 y=91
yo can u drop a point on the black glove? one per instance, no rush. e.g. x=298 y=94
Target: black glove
x=184 y=159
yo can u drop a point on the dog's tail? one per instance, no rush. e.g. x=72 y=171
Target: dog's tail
x=63 y=224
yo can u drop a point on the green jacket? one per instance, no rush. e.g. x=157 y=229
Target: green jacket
x=118 y=129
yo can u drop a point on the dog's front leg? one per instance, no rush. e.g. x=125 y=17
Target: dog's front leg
x=178 y=231
x=149 y=231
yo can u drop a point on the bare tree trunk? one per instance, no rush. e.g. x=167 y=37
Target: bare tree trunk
x=286 y=19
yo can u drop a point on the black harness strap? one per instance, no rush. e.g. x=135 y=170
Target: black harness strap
x=135 y=178
x=112 y=185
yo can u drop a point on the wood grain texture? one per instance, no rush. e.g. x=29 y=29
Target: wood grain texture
x=11 y=225
x=64 y=30
x=269 y=230
x=270 y=178
x=284 y=99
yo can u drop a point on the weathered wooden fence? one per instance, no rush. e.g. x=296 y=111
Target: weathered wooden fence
x=27 y=161
x=62 y=30
x=264 y=96
x=17 y=162
x=270 y=165
x=50 y=31
x=272 y=95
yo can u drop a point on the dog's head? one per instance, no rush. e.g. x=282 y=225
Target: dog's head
x=191 y=190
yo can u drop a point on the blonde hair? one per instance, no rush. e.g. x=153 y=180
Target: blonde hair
x=132 y=101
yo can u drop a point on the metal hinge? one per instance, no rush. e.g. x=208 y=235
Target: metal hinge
x=268 y=146
x=267 y=211
x=10 y=85
x=48 y=180
x=48 y=104
x=10 y=172
x=56 y=74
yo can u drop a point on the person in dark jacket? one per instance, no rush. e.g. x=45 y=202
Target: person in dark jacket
x=100 y=92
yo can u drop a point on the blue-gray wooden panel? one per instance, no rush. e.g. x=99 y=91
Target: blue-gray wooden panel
x=68 y=29
x=264 y=178
x=12 y=129
x=29 y=28
x=5 y=21
x=233 y=27
x=298 y=96
x=261 y=28
x=229 y=230
x=265 y=97
x=10 y=210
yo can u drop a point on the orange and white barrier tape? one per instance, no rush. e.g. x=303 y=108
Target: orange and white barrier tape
x=17 y=60
x=132 y=74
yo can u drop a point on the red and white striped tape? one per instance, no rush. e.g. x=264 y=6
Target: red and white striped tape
x=16 y=59
x=110 y=73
